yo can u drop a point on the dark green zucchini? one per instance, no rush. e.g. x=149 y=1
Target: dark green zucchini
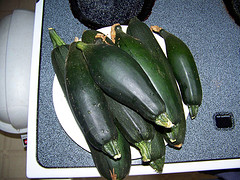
x=169 y=92
x=157 y=152
x=89 y=105
x=184 y=68
x=151 y=66
x=110 y=168
x=121 y=77
x=137 y=131
x=58 y=56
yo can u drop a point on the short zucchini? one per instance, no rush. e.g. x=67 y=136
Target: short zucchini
x=184 y=68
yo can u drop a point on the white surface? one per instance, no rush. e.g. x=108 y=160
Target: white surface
x=35 y=170
x=17 y=71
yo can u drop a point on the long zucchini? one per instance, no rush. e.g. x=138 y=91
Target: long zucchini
x=121 y=77
x=184 y=68
x=135 y=129
x=169 y=92
x=89 y=105
x=109 y=168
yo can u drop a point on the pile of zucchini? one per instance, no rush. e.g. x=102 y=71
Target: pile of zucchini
x=123 y=91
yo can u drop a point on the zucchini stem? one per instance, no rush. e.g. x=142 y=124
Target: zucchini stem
x=113 y=31
x=163 y=120
x=56 y=40
x=81 y=45
x=111 y=148
x=156 y=29
x=102 y=37
x=193 y=110
x=145 y=150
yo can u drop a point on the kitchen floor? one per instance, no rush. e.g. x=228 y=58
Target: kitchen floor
x=12 y=152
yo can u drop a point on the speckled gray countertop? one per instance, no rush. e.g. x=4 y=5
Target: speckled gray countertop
x=214 y=39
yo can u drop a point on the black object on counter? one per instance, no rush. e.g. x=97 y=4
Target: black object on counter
x=233 y=7
x=98 y=14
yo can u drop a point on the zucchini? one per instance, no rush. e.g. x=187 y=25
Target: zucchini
x=89 y=105
x=151 y=66
x=170 y=92
x=184 y=68
x=121 y=77
x=157 y=152
x=110 y=168
x=58 y=56
x=137 y=131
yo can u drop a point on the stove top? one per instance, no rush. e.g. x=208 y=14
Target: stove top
x=214 y=40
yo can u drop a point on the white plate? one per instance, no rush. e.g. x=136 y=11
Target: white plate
x=65 y=115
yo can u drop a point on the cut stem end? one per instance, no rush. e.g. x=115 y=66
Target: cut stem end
x=112 y=149
x=156 y=29
x=145 y=150
x=163 y=120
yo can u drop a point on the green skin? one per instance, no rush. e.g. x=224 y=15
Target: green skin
x=137 y=131
x=58 y=56
x=107 y=166
x=169 y=91
x=89 y=105
x=141 y=31
x=185 y=71
x=120 y=77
